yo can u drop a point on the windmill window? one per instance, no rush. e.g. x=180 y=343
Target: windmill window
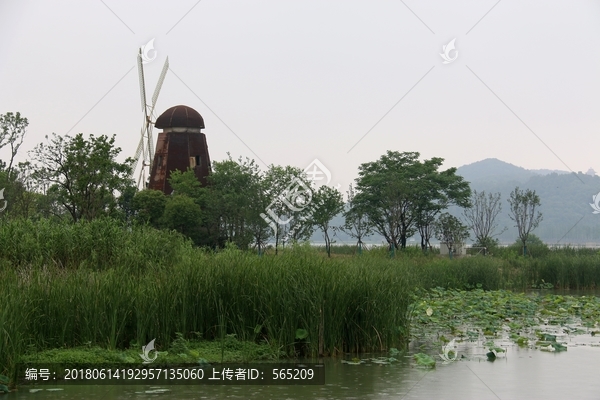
x=198 y=160
x=159 y=161
x=192 y=162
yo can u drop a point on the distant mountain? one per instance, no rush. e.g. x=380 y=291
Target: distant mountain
x=565 y=198
x=549 y=171
x=492 y=170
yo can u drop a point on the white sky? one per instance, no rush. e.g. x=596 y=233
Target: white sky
x=299 y=80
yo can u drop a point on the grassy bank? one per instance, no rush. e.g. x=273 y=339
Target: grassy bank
x=52 y=296
x=226 y=350
x=99 y=284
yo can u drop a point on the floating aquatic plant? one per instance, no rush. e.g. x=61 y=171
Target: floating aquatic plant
x=424 y=360
x=497 y=314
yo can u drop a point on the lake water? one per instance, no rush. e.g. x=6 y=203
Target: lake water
x=520 y=373
x=524 y=373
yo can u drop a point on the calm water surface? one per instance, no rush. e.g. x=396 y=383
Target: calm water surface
x=523 y=374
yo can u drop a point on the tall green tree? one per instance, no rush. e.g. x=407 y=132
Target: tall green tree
x=287 y=213
x=149 y=206
x=384 y=192
x=184 y=215
x=23 y=196
x=356 y=221
x=327 y=202
x=425 y=218
x=18 y=200
x=18 y=197
x=402 y=195
x=257 y=226
x=234 y=201
x=524 y=212
x=12 y=133
x=449 y=230
x=481 y=218
x=440 y=190
x=82 y=175
x=186 y=183
x=300 y=227
x=126 y=209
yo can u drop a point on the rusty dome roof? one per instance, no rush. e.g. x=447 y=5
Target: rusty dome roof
x=180 y=117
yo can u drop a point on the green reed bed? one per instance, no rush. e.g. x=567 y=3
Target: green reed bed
x=99 y=244
x=579 y=271
x=463 y=273
x=300 y=302
x=101 y=284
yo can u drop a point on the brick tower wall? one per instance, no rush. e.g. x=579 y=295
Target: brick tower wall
x=179 y=151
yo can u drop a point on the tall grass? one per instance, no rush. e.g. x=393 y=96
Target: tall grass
x=55 y=297
x=63 y=285
x=99 y=244
x=463 y=273
x=565 y=271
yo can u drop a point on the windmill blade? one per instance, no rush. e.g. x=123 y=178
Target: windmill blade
x=141 y=177
x=161 y=79
x=138 y=153
x=159 y=84
x=142 y=83
x=150 y=143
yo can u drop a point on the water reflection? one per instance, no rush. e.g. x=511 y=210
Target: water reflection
x=523 y=374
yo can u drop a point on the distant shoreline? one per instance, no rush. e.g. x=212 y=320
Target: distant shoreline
x=590 y=245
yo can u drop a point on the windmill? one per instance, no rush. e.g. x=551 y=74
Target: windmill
x=145 y=149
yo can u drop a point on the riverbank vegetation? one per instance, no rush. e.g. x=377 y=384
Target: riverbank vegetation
x=496 y=319
x=88 y=261
x=98 y=283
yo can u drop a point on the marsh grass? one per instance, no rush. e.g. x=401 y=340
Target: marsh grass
x=56 y=297
x=100 y=284
x=565 y=271
x=99 y=244
x=180 y=351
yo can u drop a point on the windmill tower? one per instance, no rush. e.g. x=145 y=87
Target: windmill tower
x=181 y=145
x=145 y=149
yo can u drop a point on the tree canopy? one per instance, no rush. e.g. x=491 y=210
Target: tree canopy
x=524 y=211
x=402 y=195
x=81 y=175
x=482 y=216
x=79 y=178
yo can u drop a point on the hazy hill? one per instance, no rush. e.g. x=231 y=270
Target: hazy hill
x=565 y=199
x=492 y=171
x=549 y=171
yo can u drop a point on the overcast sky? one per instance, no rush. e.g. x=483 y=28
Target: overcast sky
x=285 y=82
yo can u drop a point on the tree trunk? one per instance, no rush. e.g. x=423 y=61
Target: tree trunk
x=327 y=244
